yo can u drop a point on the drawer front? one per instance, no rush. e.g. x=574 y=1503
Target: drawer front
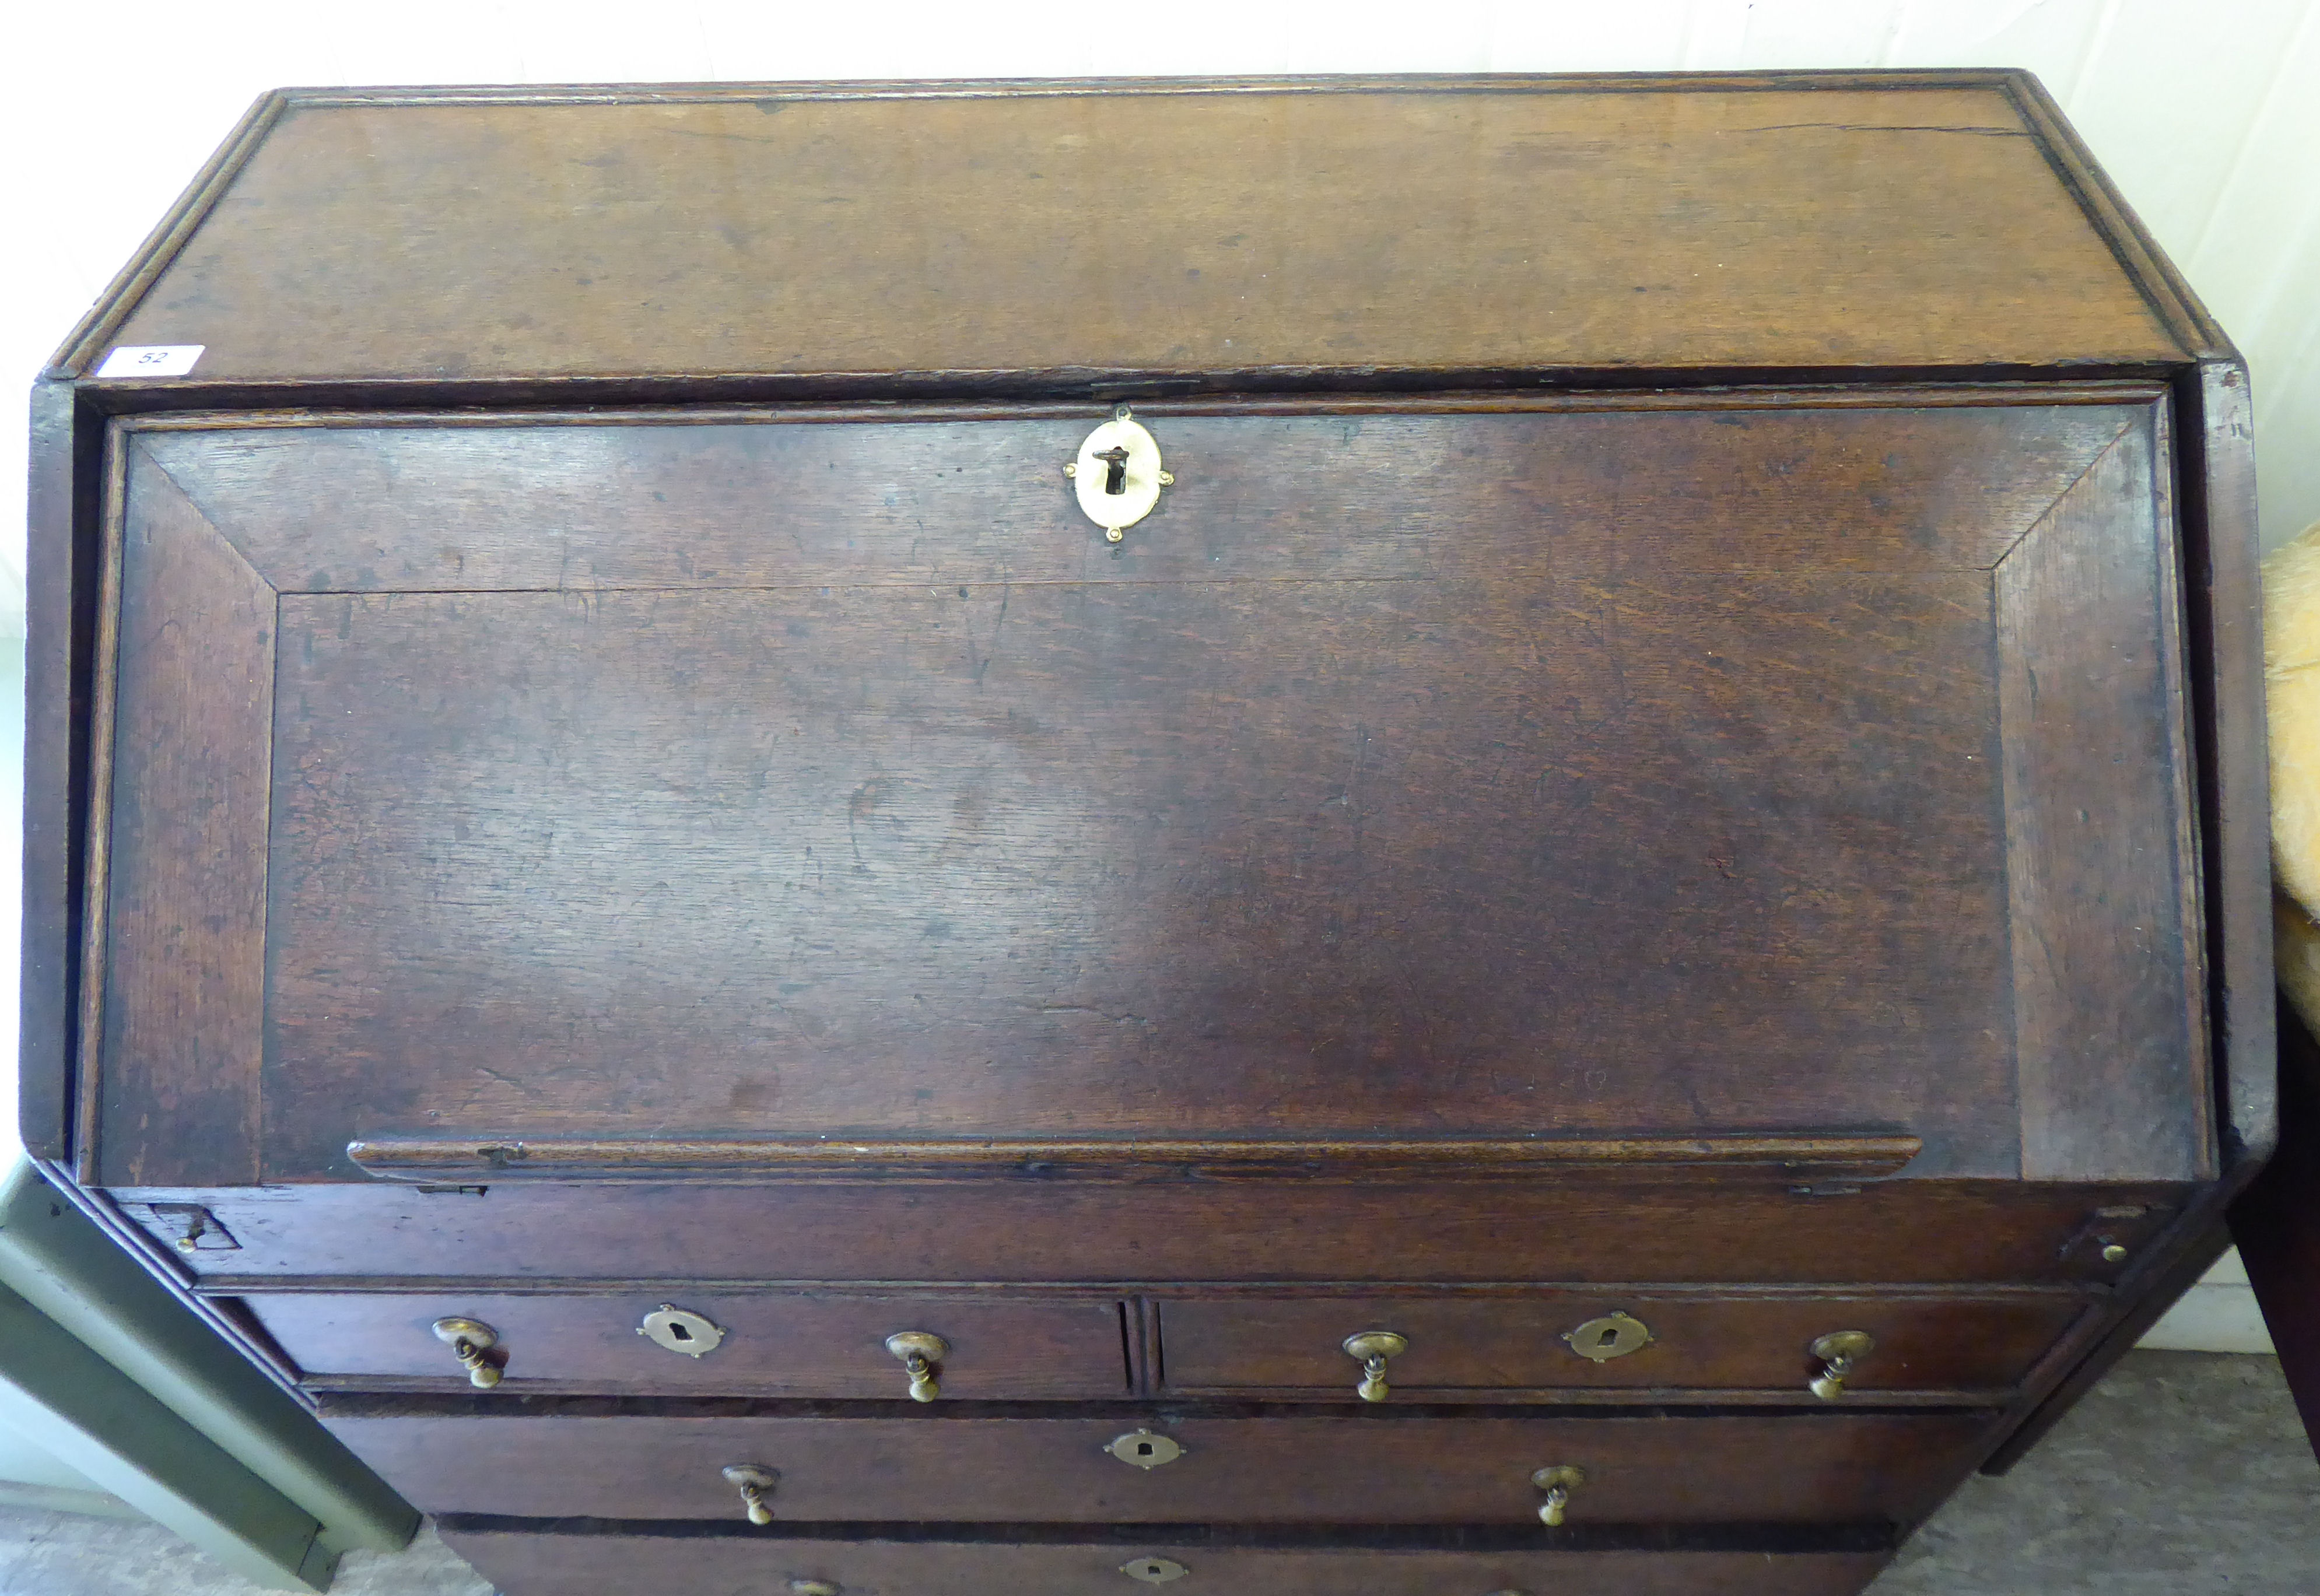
x=533 y=1565
x=792 y=1344
x=1369 y=1469
x=1543 y=1343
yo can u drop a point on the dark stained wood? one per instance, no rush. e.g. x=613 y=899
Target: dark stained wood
x=2109 y=1018
x=525 y=1563
x=823 y=1344
x=1168 y=777
x=2226 y=636
x=1464 y=1347
x=1796 y=1469
x=1786 y=1158
x=2277 y=1224
x=766 y=229
x=183 y=936
x=1029 y=1231
x=60 y=601
x=1577 y=715
x=755 y=499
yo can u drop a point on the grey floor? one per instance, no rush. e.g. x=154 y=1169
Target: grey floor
x=2184 y=1473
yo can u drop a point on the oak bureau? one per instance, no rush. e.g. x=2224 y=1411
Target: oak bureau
x=1417 y=836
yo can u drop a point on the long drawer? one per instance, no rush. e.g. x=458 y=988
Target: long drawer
x=1555 y=1341
x=808 y=1344
x=525 y=1563
x=572 y=1457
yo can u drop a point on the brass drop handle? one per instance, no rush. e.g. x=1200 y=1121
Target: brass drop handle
x=1838 y=1351
x=922 y=1354
x=1558 y=1481
x=470 y=1340
x=1372 y=1347
x=755 y=1484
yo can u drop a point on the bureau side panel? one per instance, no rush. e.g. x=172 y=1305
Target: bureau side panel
x=2109 y=988
x=177 y=956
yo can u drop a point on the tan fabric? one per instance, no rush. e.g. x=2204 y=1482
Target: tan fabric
x=2291 y=669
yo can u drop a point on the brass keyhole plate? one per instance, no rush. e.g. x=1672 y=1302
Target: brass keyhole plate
x=1140 y=475
x=1153 y=1571
x=679 y=1330
x=1614 y=1334
x=1141 y=1448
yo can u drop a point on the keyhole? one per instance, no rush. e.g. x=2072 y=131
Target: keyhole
x=1143 y=1448
x=1608 y=1338
x=680 y=1332
x=1115 y=468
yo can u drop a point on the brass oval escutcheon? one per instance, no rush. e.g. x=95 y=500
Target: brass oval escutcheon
x=1614 y=1334
x=680 y=1330
x=1153 y=1571
x=1141 y=1448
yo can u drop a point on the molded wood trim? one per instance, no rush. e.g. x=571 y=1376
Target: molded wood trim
x=1784 y=1157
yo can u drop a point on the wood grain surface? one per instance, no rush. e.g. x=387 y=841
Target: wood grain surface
x=1770 y=1468
x=2108 y=983
x=616 y=1564
x=1580 y=773
x=1539 y=1230
x=821 y=1344
x=1478 y=1345
x=1160 y=229
x=184 y=933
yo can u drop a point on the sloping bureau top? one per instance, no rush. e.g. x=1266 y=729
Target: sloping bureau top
x=1204 y=230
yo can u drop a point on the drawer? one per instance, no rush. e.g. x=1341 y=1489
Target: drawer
x=525 y=1563
x=820 y=1345
x=1555 y=1341
x=568 y=1457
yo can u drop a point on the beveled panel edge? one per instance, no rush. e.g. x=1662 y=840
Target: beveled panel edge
x=2145 y=264
x=87 y=1023
x=178 y=223
x=1773 y=395
x=1777 y=1157
x=97 y=842
x=989 y=88
x=2215 y=467
x=2045 y=868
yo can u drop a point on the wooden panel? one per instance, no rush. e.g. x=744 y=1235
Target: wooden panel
x=2109 y=986
x=1476 y=224
x=554 y=1462
x=183 y=939
x=1101 y=820
x=1917 y=482
x=60 y=591
x=1030 y=1231
x=820 y=1344
x=1526 y=1344
x=522 y=1564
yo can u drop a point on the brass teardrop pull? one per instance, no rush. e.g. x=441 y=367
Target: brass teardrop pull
x=1372 y=1347
x=755 y=1483
x=469 y=1340
x=921 y=1353
x=1558 y=1481
x=1838 y=1351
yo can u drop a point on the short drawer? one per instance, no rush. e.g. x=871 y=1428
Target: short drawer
x=523 y=1563
x=558 y=1457
x=789 y=1344
x=1550 y=1342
